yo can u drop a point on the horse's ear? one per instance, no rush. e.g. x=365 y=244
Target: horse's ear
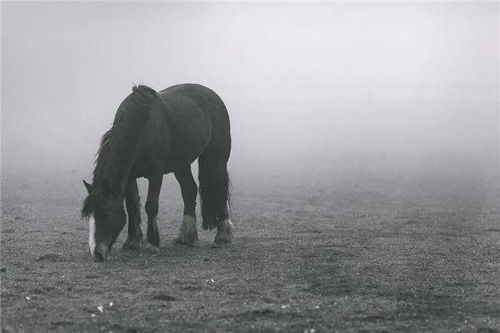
x=88 y=186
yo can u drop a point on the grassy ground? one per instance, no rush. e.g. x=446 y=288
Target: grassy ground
x=342 y=251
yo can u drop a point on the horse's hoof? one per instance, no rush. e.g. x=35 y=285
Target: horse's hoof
x=188 y=235
x=153 y=240
x=131 y=245
x=186 y=241
x=219 y=242
x=224 y=233
x=151 y=249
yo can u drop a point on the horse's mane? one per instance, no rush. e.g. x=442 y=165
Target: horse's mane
x=117 y=146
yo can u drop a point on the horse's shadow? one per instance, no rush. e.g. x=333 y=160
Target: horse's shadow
x=169 y=251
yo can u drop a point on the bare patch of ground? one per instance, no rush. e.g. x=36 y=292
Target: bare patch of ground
x=349 y=252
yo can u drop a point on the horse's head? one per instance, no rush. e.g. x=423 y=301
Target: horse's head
x=106 y=216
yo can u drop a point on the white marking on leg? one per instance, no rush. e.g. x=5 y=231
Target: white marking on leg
x=229 y=224
x=188 y=233
x=224 y=232
x=188 y=222
x=188 y=227
x=91 y=234
x=226 y=226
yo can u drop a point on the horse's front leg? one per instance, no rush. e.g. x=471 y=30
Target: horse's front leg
x=132 y=204
x=152 y=234
x=188 y=234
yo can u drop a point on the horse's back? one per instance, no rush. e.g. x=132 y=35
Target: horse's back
x=200 y=119
x=193 y=97
x=198 y=98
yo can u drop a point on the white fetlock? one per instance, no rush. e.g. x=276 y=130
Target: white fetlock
x=188 y=233
x=150 y=248
x=224 y=233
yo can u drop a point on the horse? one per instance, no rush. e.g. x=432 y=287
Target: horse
x=157 y=133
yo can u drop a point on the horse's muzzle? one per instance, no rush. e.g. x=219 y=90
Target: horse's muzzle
x=100 y=253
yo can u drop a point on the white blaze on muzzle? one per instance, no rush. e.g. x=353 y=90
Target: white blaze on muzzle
x=91 y=234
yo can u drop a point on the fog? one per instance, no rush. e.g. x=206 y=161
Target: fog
x=362 y=85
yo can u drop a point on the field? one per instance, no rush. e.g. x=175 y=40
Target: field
x=346 y=249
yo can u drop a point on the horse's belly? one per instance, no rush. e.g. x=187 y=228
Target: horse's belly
x=189 y=142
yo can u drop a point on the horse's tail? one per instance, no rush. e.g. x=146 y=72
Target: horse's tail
x=214 y=187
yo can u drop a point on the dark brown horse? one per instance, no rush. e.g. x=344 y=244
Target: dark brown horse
x=154 y=134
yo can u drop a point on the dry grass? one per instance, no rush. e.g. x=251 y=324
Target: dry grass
x=350 y=252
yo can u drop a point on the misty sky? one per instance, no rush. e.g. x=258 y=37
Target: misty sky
x=388 y=82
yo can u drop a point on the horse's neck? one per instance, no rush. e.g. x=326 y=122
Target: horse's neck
x=119 y=145
x=114 y=170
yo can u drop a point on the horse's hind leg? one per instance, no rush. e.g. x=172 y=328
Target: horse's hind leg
x=214 y=190
x=132 y=203
x=224 y=226
x=188 y=234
